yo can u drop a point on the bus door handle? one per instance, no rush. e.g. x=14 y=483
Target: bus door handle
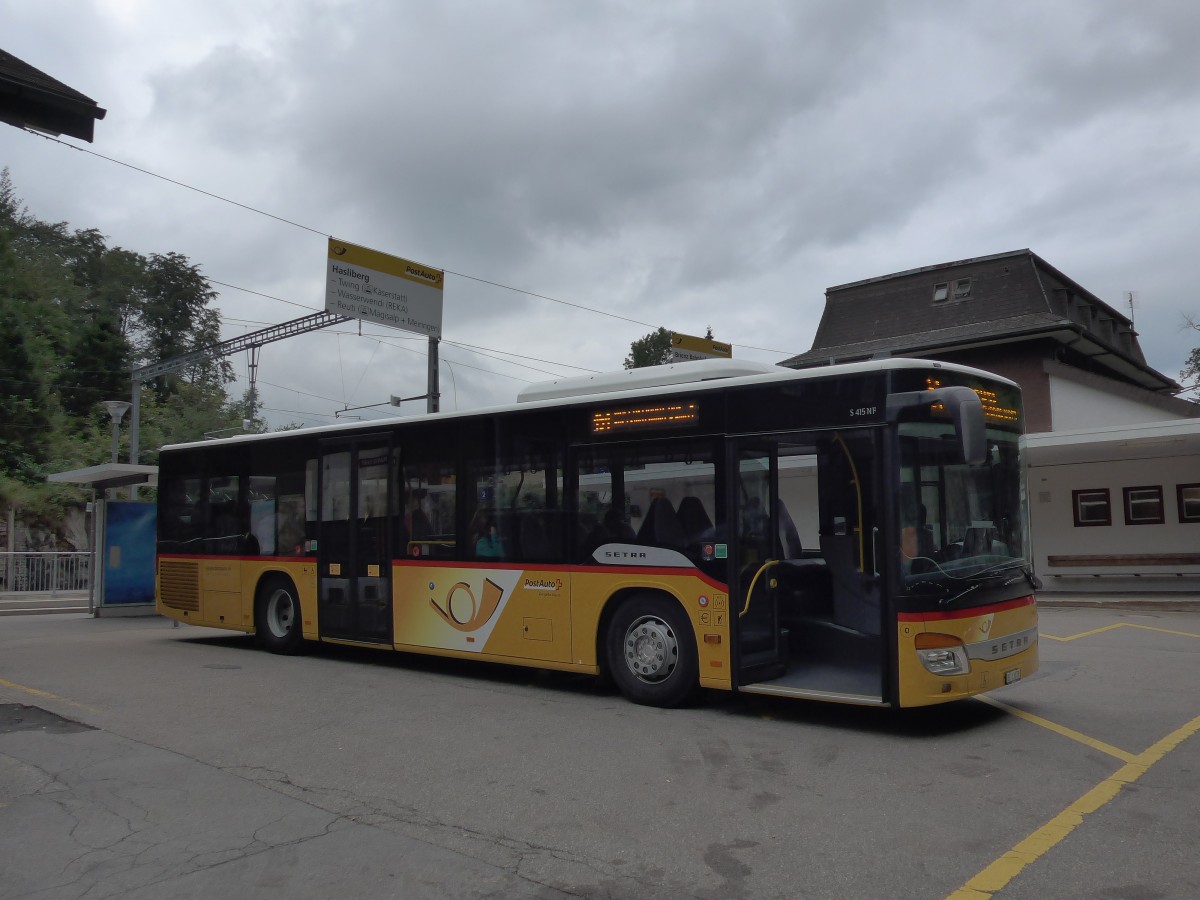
x=875 y=550
x=753 y=582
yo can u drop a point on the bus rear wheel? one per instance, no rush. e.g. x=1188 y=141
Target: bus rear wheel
x=277 y=616
x=651 y=651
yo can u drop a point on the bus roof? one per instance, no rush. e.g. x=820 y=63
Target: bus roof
x=672 y=378
x=646 y=377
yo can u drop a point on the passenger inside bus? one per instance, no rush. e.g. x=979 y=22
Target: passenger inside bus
x=488 y=544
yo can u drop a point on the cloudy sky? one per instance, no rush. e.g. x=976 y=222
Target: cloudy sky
x=586 y=171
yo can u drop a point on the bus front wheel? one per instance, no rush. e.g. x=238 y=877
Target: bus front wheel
x=277 y=616
x=651 y=651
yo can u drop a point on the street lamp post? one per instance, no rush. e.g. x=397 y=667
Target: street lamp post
x=116 y=409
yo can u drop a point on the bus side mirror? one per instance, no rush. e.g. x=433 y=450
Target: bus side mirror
x=966 y=412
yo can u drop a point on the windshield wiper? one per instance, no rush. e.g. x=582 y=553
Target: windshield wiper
x=946 y=601
x=981 y=578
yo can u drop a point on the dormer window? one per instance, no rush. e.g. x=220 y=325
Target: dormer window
x=958 y=289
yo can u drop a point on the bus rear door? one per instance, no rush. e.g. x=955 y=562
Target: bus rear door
x=358 y=482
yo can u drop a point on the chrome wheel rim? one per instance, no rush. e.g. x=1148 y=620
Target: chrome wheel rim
x=651 y=650
x=281 y=613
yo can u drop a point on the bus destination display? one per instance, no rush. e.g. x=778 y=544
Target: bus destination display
x=642 y=418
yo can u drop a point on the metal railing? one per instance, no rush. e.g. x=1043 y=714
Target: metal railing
x=45 y=573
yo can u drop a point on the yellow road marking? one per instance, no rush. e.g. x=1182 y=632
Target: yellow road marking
x=40 y=693
x=1095 y=631
x=997 y=875
x=1123 y=755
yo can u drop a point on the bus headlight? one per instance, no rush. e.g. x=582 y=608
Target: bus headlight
x=942 y=654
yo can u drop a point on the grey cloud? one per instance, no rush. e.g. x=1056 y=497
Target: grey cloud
x=679 y=163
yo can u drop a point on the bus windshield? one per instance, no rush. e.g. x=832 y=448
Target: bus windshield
x=961 y=526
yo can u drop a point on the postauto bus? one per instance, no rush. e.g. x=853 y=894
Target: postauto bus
x=854 y=533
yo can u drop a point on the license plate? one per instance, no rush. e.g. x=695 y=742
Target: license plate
x=1012 y=676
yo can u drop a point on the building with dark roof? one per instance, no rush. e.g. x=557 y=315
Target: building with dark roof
x=29 y=98
x=1112 y=454
x=1010 y=313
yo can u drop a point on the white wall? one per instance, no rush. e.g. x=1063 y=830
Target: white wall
x=1076 y=406
x=1054 y=531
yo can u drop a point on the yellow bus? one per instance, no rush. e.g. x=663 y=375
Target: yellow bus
x=854 y=533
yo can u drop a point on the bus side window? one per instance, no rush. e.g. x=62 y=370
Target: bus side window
x=694 y=519
x=661 y=528
x=224 y=520
x=181 y=526
x=661 y=494
x=260 y=539
x=429 y=511
x=519 y=516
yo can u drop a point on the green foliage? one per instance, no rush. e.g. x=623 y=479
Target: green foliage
x=652 y=350
x=76 y=316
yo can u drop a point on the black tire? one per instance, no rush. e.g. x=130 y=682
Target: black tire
x=277 y=616
x=651 y=651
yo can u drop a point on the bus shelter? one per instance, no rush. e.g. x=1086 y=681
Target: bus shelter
x=122 y=538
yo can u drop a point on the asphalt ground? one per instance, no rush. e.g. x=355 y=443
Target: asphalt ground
x=142 y=760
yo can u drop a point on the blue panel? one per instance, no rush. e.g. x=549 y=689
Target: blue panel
x=129 y=535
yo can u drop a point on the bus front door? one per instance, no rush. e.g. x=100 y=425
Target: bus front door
x=354 y=596
x=808 y=608
x=761 y=642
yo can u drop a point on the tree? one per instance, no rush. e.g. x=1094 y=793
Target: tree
x=22 y=401
x=175 y=319
x=75 y=317
x=1189 y=375
x=652 y=350
x=95 y=366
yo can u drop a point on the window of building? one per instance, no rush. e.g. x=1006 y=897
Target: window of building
x=1189 y=502
x=962 y=288
x=941 y=292
x=1144 y=505
x=1091 y=507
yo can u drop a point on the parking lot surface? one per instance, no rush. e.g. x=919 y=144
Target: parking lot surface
x=142 y=760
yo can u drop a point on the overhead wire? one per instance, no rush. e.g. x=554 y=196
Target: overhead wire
x=380 y=339
x=315 y=231
x=473 y=348
x=387 y=339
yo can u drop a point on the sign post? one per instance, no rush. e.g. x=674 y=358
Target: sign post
x=365 y=284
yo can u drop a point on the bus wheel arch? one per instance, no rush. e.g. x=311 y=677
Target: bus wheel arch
x=277 y=618
x=650 y=649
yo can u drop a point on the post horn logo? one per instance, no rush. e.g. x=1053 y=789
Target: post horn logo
x=462 y=611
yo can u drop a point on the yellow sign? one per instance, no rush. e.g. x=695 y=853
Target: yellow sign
x=365 y=284
x=688 y=347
